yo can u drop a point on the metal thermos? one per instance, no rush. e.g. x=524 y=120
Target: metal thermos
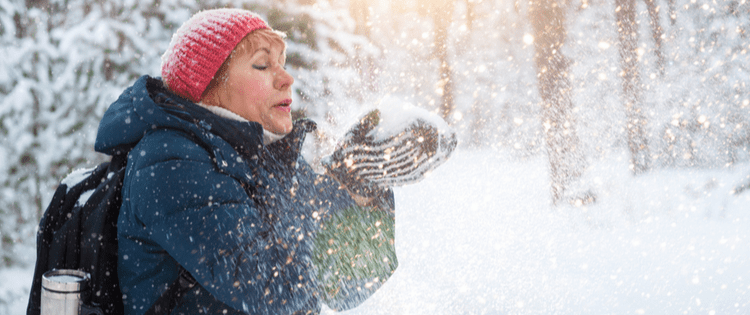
x=64 y=291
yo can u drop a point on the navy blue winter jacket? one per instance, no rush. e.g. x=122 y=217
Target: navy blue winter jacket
x=204 y=192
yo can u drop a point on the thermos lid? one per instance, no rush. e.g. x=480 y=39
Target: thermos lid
x=65 y=280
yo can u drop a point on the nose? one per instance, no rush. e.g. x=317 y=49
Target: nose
x=282 y=80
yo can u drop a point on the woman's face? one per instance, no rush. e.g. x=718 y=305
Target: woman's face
x=259 y=89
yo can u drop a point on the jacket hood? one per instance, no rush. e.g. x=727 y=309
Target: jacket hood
x=149 y=105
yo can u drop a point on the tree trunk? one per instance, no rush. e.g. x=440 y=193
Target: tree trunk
x=656 y=33
x=563 y=146
x=442 y=14
x=359 y=10
x=631 y=85
x=470 y=13
x=672 y=12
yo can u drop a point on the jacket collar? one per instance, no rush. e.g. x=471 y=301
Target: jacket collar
x=246 y=137
x=148 y=104
x=287 y=150
x=268 y=137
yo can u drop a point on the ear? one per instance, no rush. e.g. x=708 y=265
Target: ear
x=216 y=90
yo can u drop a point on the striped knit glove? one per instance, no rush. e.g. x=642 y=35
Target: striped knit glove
x=376 y=154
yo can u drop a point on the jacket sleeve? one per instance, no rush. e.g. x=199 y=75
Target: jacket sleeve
x=207 y=223
x=354 y=250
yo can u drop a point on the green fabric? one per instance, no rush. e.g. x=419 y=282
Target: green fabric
x=357 y=243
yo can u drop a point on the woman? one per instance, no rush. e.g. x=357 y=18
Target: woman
x=215 y=182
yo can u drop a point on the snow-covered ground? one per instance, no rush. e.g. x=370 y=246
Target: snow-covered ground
x=479 y=237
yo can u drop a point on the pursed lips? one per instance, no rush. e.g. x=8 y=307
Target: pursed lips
x=285 y=105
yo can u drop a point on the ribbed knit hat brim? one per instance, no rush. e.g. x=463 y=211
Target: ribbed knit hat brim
x=200 y=46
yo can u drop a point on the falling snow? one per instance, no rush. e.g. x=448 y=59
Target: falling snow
x=479 y=234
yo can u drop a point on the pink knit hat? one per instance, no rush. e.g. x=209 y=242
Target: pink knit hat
x=201 y=45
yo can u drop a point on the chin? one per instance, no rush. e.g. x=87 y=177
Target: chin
x=288 y=129
x=283 y=129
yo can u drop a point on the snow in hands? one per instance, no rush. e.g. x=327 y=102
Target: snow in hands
x=395 y=144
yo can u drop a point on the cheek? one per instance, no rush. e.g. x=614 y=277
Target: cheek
x=253 y=90
x=243 y=87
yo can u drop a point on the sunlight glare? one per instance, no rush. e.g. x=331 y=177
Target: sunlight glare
x=458 y=116
x=528 y=39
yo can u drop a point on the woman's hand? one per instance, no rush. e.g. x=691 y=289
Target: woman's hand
x=370 y=158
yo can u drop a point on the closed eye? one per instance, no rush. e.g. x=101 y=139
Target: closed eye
x=260 y=67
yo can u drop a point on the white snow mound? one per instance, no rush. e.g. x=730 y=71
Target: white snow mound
x=396 y=113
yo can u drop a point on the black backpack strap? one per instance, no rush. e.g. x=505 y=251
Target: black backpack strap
x=168 y=300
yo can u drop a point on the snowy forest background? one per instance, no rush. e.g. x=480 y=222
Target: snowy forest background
x=665 y=82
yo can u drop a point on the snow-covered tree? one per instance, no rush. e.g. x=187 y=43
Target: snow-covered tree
x=68 y=62
x=36 y=126
x=703 y=118
x=693 y=81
